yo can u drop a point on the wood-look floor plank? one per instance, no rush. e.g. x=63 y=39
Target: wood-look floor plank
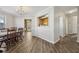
x=38 y=45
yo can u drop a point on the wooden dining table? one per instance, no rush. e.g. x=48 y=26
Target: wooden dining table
x=6 y=38
x=3 y=34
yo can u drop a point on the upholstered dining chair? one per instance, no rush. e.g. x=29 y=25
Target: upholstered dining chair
x=20 y=33
x=4 y=40
x=11 y=36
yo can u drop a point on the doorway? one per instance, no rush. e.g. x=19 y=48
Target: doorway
x=71 y=24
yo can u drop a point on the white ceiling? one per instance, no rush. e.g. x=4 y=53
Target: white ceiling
x=64 y=8
x=31 y=12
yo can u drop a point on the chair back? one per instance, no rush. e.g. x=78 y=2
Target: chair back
x=11 y=33
x=20 y=31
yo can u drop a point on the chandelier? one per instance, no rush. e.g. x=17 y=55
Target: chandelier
x=22 y=10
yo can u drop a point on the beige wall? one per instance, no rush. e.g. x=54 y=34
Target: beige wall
x=9 y=19
x=78 y=25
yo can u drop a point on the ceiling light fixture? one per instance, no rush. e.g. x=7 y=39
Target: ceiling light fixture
x=22 y=10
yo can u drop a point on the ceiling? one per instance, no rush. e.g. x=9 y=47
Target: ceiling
x=64 y=8
x=32 y=10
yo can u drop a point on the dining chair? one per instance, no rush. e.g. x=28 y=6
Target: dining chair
x=20 y=34
x=3 y=39
x=11 y=36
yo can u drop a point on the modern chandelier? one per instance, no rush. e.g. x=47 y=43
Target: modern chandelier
x=22 y=10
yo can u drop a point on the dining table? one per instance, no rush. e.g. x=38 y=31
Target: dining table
x=3 y=34
x=4 y=37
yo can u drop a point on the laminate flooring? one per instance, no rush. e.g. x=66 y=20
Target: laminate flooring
x=37 y=45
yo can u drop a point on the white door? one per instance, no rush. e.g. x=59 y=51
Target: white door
x=74 y=24
x=61 y=26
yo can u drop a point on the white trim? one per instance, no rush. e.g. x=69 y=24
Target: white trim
x=45 y=39
x=77 y=41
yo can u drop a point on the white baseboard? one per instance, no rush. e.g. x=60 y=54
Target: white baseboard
x=45 y=39
x=77 y=41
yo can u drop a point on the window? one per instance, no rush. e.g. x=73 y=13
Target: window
x=2 y=22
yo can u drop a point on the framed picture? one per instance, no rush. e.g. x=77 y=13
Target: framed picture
x=43 y=20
